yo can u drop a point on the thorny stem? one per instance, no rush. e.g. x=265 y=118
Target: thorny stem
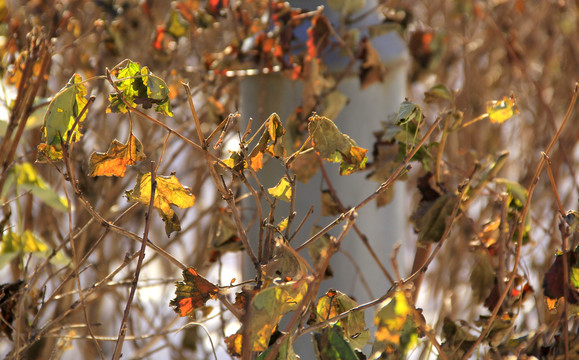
x=123 y=329
x=521 y=225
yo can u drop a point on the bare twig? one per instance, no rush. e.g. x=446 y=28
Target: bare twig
x=123 y=329
x=521 y=225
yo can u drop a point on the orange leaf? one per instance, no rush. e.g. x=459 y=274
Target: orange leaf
x=115 y=161
x=193 y=293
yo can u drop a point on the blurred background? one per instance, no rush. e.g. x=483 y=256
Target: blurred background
x=231 y=52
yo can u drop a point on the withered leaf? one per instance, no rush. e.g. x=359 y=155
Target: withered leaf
x=115 y=161
x=192 y=293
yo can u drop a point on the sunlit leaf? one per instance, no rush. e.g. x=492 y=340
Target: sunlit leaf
x=236 y=161
x=115 y=161
x=267 y=308
x=192 y=293
x=500 y=111
x=397 y=331
x=355 y=160
x=169 y=192
x=282 y=190
x=334 y=146
x=62 y=113
x=264 y=313
x=334 y=303
x=24 y=177
x=331 y=345
x=139 y=86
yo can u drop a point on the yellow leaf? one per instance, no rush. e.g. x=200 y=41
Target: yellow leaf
x=282 y=190
x=115 y=161
x=169 y=192
x=397 y=331
x=501 y=110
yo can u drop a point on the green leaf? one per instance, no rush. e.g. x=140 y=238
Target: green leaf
x=24 y=177
x=330 y=344
x=282 y=190
x=63 y=111
x=354 y=329
x=286 y=351
x=139 y=86
x=334 y=146
x=408 y=112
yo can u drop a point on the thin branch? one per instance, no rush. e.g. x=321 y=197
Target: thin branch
x=521 y=225
x=123 y=329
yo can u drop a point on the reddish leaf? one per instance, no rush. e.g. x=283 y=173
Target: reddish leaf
x=193 y=293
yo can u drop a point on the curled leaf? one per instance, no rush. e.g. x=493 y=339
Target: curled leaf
x=115 y=161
